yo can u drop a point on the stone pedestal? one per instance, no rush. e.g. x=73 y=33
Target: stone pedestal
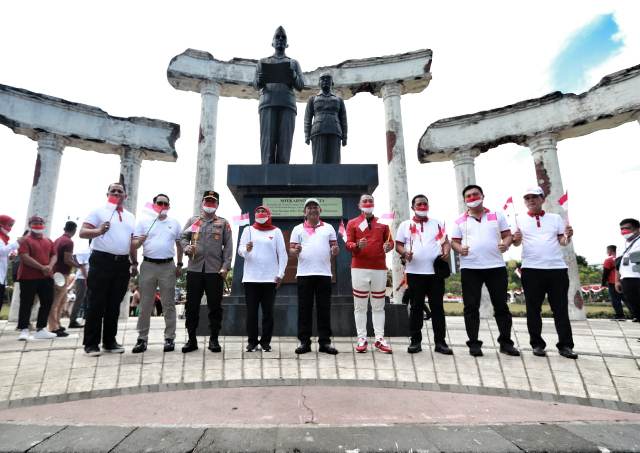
x=250 y=184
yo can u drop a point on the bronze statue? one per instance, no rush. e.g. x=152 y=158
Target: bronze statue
x=329 y=128
x=276 y=77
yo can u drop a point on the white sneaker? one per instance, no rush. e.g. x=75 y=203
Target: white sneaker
x=24 y=335
x=44 y=334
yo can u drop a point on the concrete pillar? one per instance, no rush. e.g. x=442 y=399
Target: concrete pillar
x=205 y=170
x=465 y=169
x=130 y=162
x=397 y=178
x=545 y=157
x=45 y=178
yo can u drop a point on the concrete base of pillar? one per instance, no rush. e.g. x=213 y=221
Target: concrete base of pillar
x=577 y=314
x=124 y=307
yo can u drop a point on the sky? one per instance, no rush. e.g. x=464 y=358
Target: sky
x=114 y=55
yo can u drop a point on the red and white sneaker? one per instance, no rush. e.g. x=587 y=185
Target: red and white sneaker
x=382 y=345
x=362 y=344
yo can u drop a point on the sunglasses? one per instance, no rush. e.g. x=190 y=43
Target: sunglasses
x=162 y=203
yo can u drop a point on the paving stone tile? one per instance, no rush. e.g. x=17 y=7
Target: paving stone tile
x=18 y=438
x=160 y=440
x=545 y=437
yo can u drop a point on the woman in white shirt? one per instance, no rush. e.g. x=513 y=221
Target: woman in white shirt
x=265 y=259
x=6 y=248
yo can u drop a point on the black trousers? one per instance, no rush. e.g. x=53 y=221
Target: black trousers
x=107 y=283
x=43 y=288
x=616 y=300
x=631 y=291
x=276 y=134
x=211 y=284
x=262 y=295
x=433 y=288
x=314 y=289
x=2 y=291
x=553 y=283
x=80 y=305
x=496 y=280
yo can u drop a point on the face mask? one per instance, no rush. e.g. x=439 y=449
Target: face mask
x=208 y=210
x=422 y=212
x=37 y=229
x=367 y=210
x=473 y=204
x=627 y=234
x=261 y=220
x=5 y=230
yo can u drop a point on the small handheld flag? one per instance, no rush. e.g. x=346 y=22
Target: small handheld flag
x=241 y=220
x=342 y=231
x=387 y=217
x=564 y=202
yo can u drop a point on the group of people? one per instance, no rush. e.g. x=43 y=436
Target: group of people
x=479 y=236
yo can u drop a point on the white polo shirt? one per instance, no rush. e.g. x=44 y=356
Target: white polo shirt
x=268 y=257
x=482 y=236
x=315 y=256
x=626 y=271
x=422 y=243
x=161 y=238
x=117 y=240
x=540 y=246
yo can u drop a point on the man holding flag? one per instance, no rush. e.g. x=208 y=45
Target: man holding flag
x=111 y=263
x=206 y=240
x=369 y=241
x=159 y=236
x=420 y=241
x=544 y=272
x=481 y=236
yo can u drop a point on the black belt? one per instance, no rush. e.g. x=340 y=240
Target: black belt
x=110 y=256
x=158 y=260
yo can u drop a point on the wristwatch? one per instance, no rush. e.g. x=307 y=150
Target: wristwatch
x=179 y=263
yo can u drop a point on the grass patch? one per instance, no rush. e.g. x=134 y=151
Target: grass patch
x=604 y=311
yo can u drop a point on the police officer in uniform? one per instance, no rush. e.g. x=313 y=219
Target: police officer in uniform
x=206 y=240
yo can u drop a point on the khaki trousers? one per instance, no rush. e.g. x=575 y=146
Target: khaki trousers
x=152 y=276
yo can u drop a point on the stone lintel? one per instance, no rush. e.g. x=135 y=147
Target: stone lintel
x=615 y=100
x=84 y=126
x=193 y=68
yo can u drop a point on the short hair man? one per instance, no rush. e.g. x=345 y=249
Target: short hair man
x=313 y=243
x=37 y=258
x=369 y=242
x=64 y=250
x=544 y=272
x=206 y=240
x=481 y=236
x=112 y=262
x=628 y=275
x=419 y=241
x=159 y=237
x=609 y=280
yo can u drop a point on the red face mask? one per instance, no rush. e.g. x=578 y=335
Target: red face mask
x=37 y=228
x=474 y=198
x=625 y=231
x=113 y=199
x=367 y=204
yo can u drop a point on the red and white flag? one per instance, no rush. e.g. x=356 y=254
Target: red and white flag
x=342 y=231
x=241 y=220
x=508 y=204
x=195 y=226
x=151 y=209
x=387 y=217
x=112 y=201
x=441 y=236
x=564 y=201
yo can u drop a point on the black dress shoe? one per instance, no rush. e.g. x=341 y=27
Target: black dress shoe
x=214 y=346
x=443 y=349
x=92 y=350
x=303 y=348
x=75 y=325
x=327 y=349
x=252 y=347
x=539 y=351
x=169 y=345
x=265 y=347
x=414 y=347
x=476 y=351
x=568 y=353
x=190 y=346
x=508 y=349
x=141 y=346
x=113 y=348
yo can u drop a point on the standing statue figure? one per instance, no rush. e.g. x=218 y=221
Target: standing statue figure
x=329 y=127
x=276 y=77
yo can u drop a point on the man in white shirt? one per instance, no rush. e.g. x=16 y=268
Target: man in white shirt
x=313 y=243
x=159 y=237
x=544 y=272
x=110 y=227
x=481 y=237
x=628 y=275
x=420 y=241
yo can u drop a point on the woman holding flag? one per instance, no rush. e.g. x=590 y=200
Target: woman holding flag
x=265 y=259
x=420 y=241
x=369 y=241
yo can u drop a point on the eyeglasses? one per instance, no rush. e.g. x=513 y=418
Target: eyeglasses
x=162 y=203
x=116 y=191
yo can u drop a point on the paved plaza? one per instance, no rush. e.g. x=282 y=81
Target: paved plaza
x=50 y=391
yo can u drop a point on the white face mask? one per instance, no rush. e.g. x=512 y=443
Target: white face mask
x=208 y=210
x=474 y=204
x=422 y=212
x=164 y=212
x=5 y=231
x=261 y=220
x=627 y=236
x=367 y=210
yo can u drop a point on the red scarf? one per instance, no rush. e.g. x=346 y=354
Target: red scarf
x=266 y=226
x=4 y=220
x=420 y=220
x=5 y=237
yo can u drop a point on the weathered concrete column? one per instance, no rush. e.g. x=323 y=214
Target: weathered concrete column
x=205 y=170
x=465 y=168
x=397 y=179
x=45 y=178
x=130 y=162
x=545 y=157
